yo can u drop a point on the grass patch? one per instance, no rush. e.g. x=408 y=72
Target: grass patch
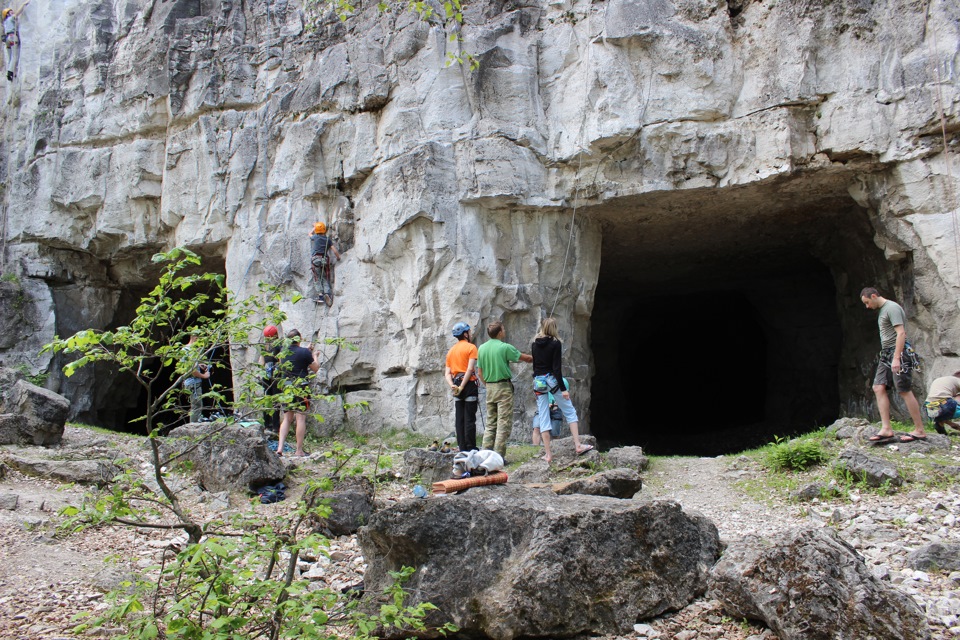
x=795 y=455
x=104 y=430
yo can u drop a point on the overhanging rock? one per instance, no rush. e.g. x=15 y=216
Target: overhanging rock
x=504 y=562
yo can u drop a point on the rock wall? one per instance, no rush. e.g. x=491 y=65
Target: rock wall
x=230 y=127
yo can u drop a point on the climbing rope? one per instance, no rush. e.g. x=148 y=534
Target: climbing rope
x=950 y=193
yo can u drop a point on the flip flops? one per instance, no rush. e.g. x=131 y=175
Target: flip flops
x=586 y=447
x=879 y=439
x=912 y=438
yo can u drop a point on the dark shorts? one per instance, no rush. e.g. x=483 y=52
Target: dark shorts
x=301 y=395
x=885 y=376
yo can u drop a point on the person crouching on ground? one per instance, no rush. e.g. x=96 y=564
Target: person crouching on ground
x=548 y=378
x=296 y=366
x=941 y=403
x=459 y=373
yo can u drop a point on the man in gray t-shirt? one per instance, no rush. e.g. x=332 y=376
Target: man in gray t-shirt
x=890 y=370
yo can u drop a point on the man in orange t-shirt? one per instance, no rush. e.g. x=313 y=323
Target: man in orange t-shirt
x=460 y=375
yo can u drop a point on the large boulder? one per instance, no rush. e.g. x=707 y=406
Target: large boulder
x=30 y=415
x=225 y=457
x=509 y=561
x=808 y=583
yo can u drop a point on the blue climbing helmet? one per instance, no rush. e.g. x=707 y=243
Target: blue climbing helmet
x=460 y=328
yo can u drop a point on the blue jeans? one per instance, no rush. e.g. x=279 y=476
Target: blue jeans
x=543 y=406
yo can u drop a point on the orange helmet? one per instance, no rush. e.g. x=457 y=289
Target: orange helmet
x=270 y=332
x=320 y=228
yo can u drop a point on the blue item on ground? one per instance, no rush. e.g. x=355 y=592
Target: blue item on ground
x=272 y=493
x=287 y=447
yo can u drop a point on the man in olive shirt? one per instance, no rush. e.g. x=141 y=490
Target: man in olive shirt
x=891 y=371
x=493 y=361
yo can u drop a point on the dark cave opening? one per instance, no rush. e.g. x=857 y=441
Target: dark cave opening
x=116 y=400
x=721 y=323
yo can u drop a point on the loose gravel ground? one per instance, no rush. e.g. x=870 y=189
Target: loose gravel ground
x=46 y=580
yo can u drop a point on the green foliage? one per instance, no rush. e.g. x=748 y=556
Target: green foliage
x=233 y=579
x=10 y=277
x=39 y=378
x=241 y=584
x=795 y=455
x=450 y=19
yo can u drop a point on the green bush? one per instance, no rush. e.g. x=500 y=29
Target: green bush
x=795 y=455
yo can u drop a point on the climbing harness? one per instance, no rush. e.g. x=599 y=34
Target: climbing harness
x=909 y=359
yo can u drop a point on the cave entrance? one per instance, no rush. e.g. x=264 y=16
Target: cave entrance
x=728 y=317
x=116 y=400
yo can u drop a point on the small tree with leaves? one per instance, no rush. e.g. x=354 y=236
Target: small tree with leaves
x=236 y=578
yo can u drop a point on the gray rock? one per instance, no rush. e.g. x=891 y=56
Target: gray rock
x=486 y=559
x=351 y=504
x=629 y=457
x=935 y=556
x=565 y=453
x=218 y=501
x=847 y=428
x=809 y=492
x=9 y=501
x=429 y=466
x=534 y=471
x=225 y=458
x=111 y=577
x=98 y=472
x=616 y=483
x=32 y=415
x=808 y=583
x=875 y=471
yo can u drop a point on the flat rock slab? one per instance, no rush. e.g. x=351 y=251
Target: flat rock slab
x=99 y=472
x=616 y=483
x=808 y=583
x=508 y=561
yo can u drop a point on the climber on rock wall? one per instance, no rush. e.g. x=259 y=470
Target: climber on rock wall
x=11 y=39
x=320 y=243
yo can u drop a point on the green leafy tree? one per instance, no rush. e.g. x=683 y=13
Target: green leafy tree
x=232 y=579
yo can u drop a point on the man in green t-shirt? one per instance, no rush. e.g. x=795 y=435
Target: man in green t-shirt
x=493 y=364
x=892 y=370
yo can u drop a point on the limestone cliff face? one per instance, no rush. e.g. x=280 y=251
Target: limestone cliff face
x=230 y=127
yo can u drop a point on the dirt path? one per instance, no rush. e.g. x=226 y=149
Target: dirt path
x=708 y=485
